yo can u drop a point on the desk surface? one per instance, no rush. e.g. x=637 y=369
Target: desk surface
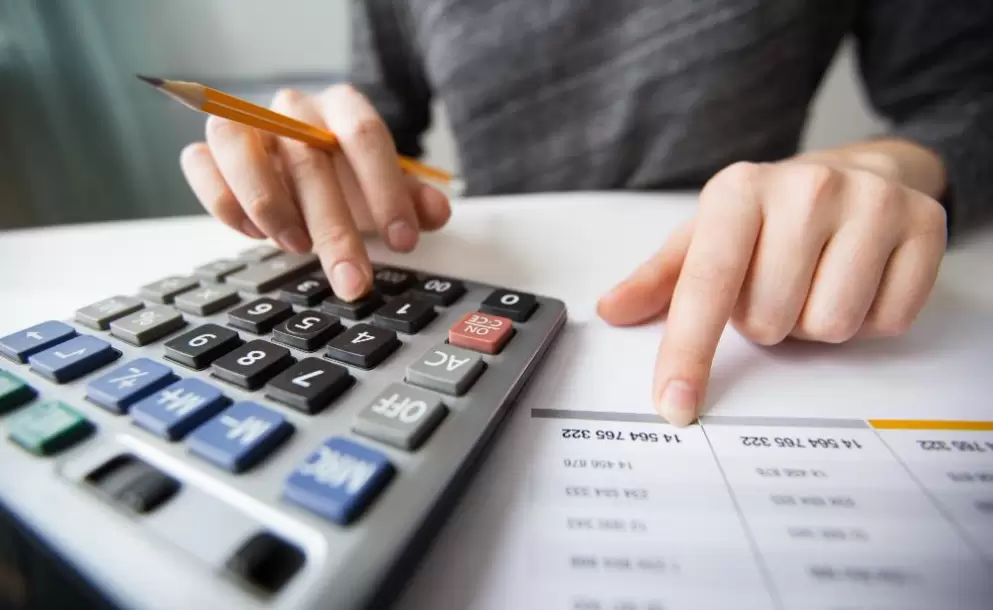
x=570 y=246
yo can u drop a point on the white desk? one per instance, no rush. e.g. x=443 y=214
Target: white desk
x=574 y=247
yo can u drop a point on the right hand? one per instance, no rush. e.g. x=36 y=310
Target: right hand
x=307 y=199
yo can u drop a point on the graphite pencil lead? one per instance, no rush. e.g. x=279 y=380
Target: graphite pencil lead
x=151 y=80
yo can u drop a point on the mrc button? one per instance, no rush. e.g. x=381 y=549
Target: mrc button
x=517 y=306
x=339 y=480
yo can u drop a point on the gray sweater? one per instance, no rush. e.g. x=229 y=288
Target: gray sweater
x=660 y=94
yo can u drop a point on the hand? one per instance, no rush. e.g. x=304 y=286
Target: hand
x=307 y=199
x=819 y=250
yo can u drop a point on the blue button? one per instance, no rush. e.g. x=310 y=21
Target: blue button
x=339 y=479
x=128 y=383
x=22 y=344
x=174 y=411
x=240 y=436
x=74 y=358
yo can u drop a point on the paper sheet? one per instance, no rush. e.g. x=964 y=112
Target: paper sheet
x=819 y=478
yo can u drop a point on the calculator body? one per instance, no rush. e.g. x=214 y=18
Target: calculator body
x=186 y=552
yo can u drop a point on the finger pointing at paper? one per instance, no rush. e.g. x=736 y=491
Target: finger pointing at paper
x=822 y=249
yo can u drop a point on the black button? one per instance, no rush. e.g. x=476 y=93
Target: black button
x=363 y=345
x=202 y=345
x=133 y=484
x=355 y=310
x=306 y=291
x=440 y=290
x=253 y=364
x=266 y=562
x=404 y=314
x=308 y=330
x=309 y=385
x=260 y=316
x=391 y=281
x=518 y=306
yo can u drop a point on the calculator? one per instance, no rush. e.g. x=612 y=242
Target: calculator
x=239 y=437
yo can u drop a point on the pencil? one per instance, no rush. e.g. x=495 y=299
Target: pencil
x=211 y=101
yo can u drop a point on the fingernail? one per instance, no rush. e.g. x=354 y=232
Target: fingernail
x=251 y=230
x=347 y=280
x=678 y=403
x=294 y=240
x=401 y=236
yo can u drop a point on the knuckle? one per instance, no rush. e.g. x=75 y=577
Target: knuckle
x=261 y=206
x=741 y=176
x=342 y=92
x=337 y=237
x=219 y=129
x=288 y=98
x=715 y=279
x=822 y=184
x=304 y=165
x=837 y=328
x=893 y=325
x=365 y=134
x=764 y=329
x=883 y=197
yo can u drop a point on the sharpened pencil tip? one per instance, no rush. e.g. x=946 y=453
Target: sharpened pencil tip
x=151 y=80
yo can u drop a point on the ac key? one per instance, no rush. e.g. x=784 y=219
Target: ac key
x=308 y=330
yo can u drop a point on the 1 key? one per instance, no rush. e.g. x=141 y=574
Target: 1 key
x=253 y=364
x=404 y=314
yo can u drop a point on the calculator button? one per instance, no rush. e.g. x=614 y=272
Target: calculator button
x=309 y=385
x=133 y=484
x=14 y=392
x=447 y=369
x=240 y=436
x=73 y=359
x=260 y=316
x=393 y=281
x=22 y=344
x=164 y=291
x=308 y=330
x=252 y=364
x=271 y=273
x=305 y=291
x=175 y=410
x=517 y=306
x=266 y=562
x=481 y=332
x=207 y=299
x=400 y=416
x=202 y=345
x=216 y=271
x=353 y=310
x=99 y=315
x=147 y=325
x=363 y=345
x=440 y=290
x=405 y=314
x=258 y=254
x=45 y=428
x=125 y=385
x=339 y=480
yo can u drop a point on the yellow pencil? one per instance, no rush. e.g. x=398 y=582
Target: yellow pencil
x=211 y=101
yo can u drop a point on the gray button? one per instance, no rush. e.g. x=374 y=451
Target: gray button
x=207 y=299
x=258 y=254
x=218 y=270
x=100 y=314
x=401 y=416
x=147 y=325
x=165 y=290
x=267 y=275
x=447 y=369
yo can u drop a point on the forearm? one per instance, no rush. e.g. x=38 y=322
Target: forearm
x=903 y=161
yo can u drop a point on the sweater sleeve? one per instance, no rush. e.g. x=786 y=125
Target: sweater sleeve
x=928 y=68
x=385 y=66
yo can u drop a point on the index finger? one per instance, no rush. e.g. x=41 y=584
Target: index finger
x=710 y=280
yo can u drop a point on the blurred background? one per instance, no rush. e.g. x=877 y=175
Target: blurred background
x=82 y=140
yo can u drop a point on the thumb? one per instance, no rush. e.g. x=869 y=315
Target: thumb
x=646 y=293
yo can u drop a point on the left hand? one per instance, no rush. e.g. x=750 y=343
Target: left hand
x=818 y=250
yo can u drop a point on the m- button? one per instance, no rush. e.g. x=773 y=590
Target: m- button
x=481 y=332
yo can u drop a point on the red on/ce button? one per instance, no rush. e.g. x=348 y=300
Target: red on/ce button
x=481 y=332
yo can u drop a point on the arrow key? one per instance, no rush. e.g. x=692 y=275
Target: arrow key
x=22 y=344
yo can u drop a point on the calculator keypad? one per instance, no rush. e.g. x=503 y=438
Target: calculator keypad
x=227 y=365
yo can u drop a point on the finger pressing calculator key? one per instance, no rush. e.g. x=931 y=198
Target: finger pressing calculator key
x=248 y=421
